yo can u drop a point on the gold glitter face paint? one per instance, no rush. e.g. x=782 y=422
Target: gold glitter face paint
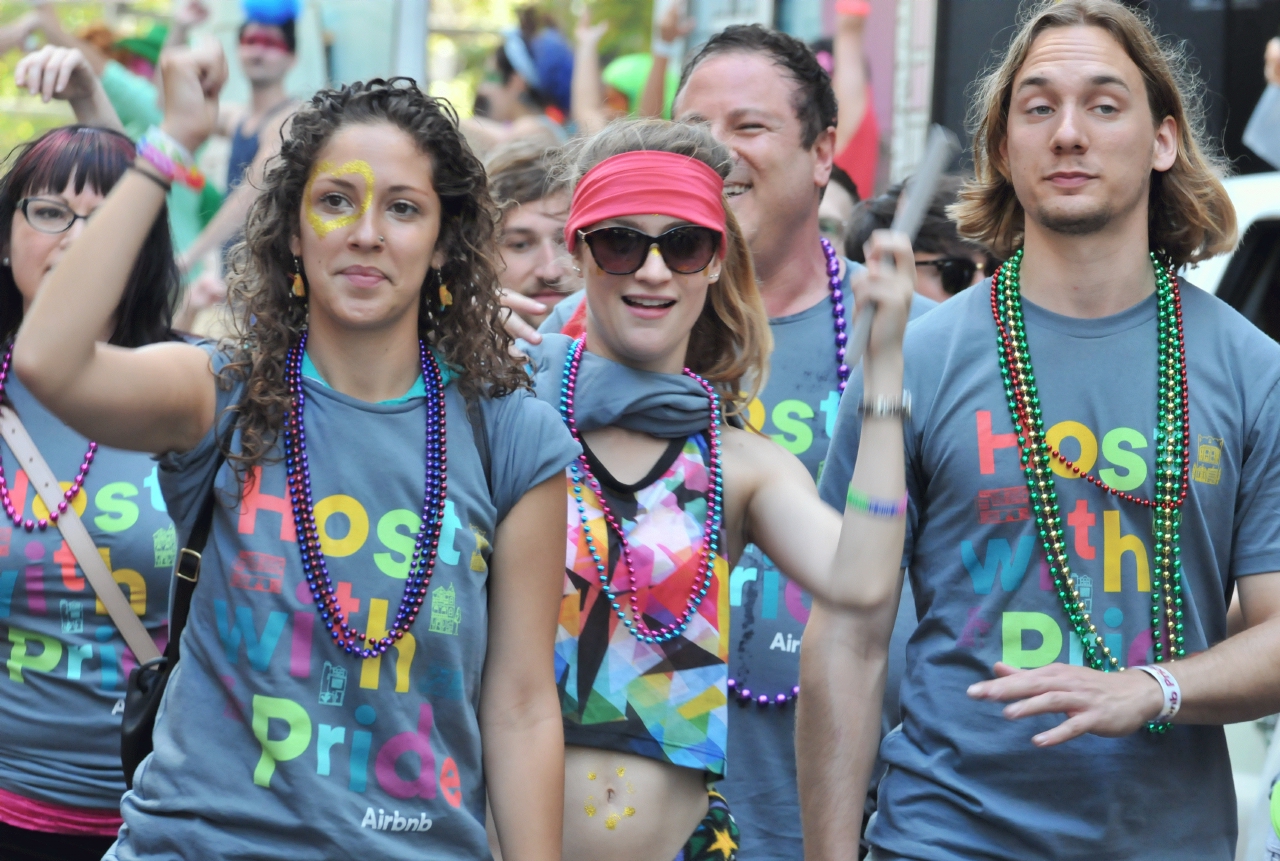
x=589 y=807
x=357 y=167
x=620 y=770
x=612 y=822
x=591 y=775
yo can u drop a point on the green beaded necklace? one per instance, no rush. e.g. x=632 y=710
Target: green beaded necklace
x=1039 y=460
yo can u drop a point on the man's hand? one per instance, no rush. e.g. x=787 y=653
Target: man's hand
x=1106 y=704
x=514 y=305
x=56 y=73
x=193 y=77
x=675 y=24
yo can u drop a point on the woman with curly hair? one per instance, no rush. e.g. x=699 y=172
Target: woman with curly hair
x=670 y=488
x=388 y=530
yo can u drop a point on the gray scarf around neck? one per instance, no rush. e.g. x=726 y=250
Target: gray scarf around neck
x=607 y=394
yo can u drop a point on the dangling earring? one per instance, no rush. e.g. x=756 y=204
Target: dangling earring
x=299 y=287
x=446 y=298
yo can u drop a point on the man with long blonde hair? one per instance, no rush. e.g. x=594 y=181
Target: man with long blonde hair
x=1093 y=471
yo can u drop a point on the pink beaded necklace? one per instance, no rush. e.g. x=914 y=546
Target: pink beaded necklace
x=580 y=473
x=11 y=509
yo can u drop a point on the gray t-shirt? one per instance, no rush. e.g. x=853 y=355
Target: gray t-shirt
x=273 y=743
x=768 y=612
x=964 y=782
x=63 y=693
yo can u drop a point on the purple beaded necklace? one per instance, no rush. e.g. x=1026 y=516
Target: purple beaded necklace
x=835 y=284
x=10 y=509
x=580 y=472
x=314 y=566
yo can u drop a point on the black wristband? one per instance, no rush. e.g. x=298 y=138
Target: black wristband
x=151 y=176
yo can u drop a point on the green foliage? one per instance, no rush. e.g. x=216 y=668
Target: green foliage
x=23 y=116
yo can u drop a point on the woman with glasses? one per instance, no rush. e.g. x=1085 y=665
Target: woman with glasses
x=369 y=650
x=945 y=263
x=670 y=488
x=62 y=695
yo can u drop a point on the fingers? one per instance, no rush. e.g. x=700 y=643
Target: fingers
x=1053 y=702
x=68 y=66
x=515 y=324
x=1017 y=685
x=1065 y=731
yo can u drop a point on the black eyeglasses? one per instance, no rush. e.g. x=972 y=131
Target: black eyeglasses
x=47 y=215
x=956 y=273
x=621 y=250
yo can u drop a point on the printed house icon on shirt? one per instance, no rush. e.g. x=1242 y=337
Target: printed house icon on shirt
x=1208 y=468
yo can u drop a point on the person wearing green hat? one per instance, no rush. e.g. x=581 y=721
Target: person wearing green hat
x=124 y=66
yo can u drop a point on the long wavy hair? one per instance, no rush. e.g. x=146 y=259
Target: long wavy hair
x=1189 y=214
x=731 y=341
x=268 y=319
x=96 y=158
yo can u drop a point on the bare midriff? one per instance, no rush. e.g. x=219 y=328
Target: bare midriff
x=625 y=807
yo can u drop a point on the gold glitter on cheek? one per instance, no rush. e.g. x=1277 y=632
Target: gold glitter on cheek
x=589 y=807
x=356 y=167
x=612 y=822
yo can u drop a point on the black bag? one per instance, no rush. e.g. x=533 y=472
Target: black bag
x=147 y=682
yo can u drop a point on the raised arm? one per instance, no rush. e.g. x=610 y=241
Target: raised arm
x=56 y=34
x=64 y=73
x=234 y=211
x=672 y=28
x=586 y=96
x=849 y=78
x=157 y=398
x=520 y=721
x=785 y=517
x=13 y=34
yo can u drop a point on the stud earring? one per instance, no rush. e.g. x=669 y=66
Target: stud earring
x=299 y=288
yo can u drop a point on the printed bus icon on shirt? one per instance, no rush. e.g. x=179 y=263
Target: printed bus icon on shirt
x=258 y=572
x=1003 y=505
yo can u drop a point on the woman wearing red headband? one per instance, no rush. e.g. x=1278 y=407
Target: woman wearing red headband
x=671 y=487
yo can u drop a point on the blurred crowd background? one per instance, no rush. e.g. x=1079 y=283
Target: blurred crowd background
x=542 y=72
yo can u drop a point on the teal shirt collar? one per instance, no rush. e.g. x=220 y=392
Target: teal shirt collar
x=417 y=390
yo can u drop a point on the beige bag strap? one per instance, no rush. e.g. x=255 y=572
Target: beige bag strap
x=77 y=538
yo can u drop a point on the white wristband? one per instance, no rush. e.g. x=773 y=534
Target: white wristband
x=666 y=50
x=1169 y=687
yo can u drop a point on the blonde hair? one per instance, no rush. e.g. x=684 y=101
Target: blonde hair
x=731 y=341
x=1190 y=217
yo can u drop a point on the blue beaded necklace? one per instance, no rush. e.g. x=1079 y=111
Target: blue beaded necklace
x=350 y=640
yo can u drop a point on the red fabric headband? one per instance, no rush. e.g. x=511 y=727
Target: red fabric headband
x=648 y=182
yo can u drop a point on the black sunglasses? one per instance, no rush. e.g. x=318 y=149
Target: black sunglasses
x=956 y=273
x=621 y=250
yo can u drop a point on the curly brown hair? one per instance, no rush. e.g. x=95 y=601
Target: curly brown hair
x=268 y=319
x=1190 y=215
x=731 y=340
